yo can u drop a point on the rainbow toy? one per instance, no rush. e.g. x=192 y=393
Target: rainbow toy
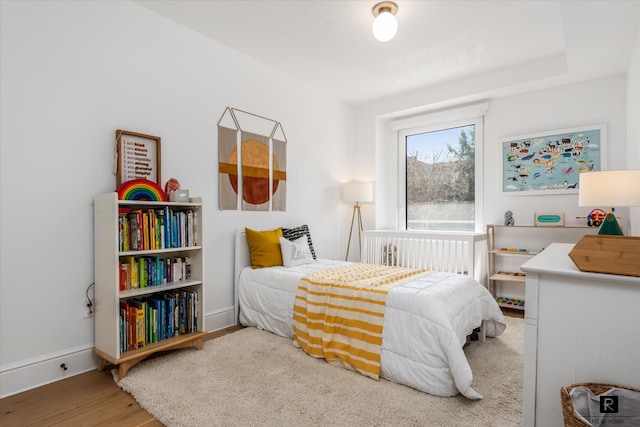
x=141 y=189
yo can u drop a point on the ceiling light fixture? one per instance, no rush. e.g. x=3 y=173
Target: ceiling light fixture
x=385 y=24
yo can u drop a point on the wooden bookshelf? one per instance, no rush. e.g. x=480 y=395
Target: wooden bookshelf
x=171 y=279
x=511 y=246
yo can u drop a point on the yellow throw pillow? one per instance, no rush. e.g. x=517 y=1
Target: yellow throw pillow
x=264 y=247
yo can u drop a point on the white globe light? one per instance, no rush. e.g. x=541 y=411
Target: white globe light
x=385 y=26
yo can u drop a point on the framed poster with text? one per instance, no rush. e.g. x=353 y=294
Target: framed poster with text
x=138 y=157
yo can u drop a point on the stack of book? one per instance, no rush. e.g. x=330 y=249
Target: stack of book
x=151 y=229
x=148 y=320
x=141 y=272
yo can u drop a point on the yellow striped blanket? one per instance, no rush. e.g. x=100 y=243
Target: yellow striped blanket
x=339 y=312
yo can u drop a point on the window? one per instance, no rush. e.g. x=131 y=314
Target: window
x=441 y=175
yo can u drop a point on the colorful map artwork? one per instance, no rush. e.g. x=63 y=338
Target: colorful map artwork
x=550 y=163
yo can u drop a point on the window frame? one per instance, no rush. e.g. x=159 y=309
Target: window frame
x=417 y=128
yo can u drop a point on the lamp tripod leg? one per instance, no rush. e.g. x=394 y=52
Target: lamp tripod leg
x=353 y=217
x=359 y=232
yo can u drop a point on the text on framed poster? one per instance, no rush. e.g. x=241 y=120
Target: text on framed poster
x=138 y=157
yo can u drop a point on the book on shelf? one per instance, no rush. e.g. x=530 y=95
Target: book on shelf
x=124 y=232
x=135 y=235
x=182 y=301
x=133 y=327
x=138 y=313
x=121 y=333
x=145 y=231
x=170 y=306
x=187 y=264
x=134 y=279
x=123 y=277
x=123 y=323
x=192 y=311
x=195 y=228
x=125 y=331
x=157 y=304
x=153 y=325
x=158 y=227
x=142 y=273
x=152 y=229
x=183 y=229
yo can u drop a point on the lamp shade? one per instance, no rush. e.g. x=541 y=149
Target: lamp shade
x=361 y=192
x=609 y=188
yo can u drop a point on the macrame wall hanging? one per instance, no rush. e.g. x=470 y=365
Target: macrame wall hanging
x=252 y=161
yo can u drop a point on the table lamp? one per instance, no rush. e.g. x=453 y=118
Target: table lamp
x=608 y=251
x=609 y=189
x=356 y=193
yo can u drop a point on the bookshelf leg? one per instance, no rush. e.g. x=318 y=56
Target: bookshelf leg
x=124 y=367
x=128 y=361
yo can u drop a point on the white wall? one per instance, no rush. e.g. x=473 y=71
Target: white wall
x=587 y=103
x=74 y=72
x=592 y=102
x=633 y=123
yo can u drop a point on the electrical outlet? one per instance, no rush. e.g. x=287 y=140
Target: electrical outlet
x=87 y=311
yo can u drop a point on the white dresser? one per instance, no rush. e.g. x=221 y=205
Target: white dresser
x=579 y=327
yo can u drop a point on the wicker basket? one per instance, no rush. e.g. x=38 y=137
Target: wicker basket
x=570 y=418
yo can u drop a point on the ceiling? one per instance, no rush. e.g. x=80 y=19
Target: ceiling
x=329 y=45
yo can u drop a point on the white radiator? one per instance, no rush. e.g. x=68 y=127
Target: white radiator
x=454 y=252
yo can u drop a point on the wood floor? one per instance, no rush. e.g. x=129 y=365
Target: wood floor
x=89 y=399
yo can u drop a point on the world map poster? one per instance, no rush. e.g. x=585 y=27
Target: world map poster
x=550 y=163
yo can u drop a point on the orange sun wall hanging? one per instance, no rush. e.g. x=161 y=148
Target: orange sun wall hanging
x=251 y=162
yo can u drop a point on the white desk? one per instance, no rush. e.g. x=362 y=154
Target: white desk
x=579 y=327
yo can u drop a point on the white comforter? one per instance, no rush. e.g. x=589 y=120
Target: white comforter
x=425 y=324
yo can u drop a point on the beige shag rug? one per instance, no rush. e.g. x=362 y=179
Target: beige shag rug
x=254 y=378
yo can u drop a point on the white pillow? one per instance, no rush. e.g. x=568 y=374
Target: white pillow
x=295 y=252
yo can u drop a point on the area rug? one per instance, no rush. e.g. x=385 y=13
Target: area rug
x=254 y=378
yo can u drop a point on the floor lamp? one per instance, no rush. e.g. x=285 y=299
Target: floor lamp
x=356 y=193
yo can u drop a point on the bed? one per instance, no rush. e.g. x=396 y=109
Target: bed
x=426 y=319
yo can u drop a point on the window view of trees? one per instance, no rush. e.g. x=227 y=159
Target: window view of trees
x=440 y=179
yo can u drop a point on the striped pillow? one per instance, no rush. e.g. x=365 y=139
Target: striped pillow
x=295 y=233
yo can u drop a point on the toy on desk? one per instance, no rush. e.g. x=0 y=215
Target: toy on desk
x=174 y=192
x=508 y=218
x=141 y=189
x=510 y=301
x=595 y=217
x=171 y=185
x=506 y=273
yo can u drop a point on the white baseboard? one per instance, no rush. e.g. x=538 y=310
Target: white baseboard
x=220 y=319
x=36 y=372
x=47 y=369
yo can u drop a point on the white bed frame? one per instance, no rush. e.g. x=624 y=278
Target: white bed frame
x=242 y=260
x=462 y=252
